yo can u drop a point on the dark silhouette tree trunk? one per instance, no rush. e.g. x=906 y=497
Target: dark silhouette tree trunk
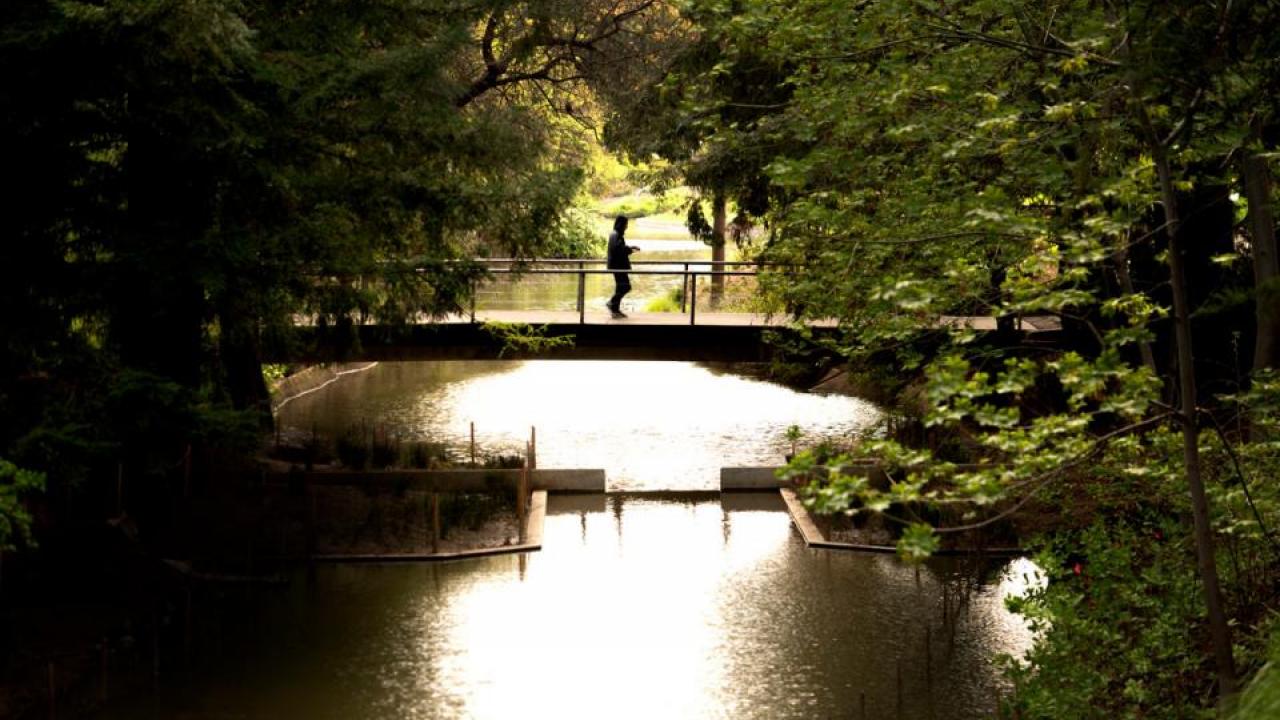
x=718 y=224
x=1202 y=533
x=239 y=349
x=1266 y=264
x=159 y=305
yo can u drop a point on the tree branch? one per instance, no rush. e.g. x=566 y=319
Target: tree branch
x=1043 y=480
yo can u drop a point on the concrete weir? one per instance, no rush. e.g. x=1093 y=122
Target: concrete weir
x=749 y=478
x=766 y=478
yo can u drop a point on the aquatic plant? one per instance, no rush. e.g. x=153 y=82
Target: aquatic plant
x=384 y=450
x=426 y=454
x=352 y=448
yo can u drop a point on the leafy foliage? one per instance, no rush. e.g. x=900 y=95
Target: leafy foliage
x=930 y=162
x=522 y=337
x=188 y=179
x=1262 y=698
x=15 y=520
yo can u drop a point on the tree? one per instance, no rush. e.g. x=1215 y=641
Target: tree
x=1012 y=158
x=708 y=111
x=188 y=178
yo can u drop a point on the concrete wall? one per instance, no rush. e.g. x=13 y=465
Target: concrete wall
x=749 y=478
x=764 y=478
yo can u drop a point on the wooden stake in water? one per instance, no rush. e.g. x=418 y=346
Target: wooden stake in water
x=473 y=444
x=928 y=657
x=435 y=522
x=533 y=448
x=522 y=494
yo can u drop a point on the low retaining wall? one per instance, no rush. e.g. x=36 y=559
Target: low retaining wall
x=749 y=478
x=766 y=478
x=814 y=538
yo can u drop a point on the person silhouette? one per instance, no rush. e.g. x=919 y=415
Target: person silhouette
x=619 y=258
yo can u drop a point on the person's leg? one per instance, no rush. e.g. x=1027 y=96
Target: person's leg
x=621 y=286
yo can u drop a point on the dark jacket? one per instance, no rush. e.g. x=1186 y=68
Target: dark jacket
x=619 y=253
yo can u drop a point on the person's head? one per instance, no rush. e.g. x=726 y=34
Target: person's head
x=620 y=223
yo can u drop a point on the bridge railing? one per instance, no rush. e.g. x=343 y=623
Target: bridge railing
x=686 y=272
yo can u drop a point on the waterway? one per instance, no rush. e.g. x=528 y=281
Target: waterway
x=641 y=604
x=649 y=425
x=638 y=606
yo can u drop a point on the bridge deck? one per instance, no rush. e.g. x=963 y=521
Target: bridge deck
x=717 y=337
x=602 y=317
x=711 y=319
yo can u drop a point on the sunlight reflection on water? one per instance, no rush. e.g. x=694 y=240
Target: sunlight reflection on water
x=637 y=607
x=650 y=425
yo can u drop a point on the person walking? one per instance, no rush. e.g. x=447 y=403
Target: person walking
x=619 y=258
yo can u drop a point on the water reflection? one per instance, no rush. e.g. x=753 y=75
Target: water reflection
x=635 y=608
x=650 y=425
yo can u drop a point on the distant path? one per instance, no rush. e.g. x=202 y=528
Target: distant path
x=658 y=229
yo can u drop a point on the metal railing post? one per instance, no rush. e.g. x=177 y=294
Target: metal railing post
x=684 y=287
x=582 y=295
x=693 y=299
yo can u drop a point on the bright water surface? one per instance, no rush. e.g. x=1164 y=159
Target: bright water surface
x=636 y=607
x=650 y=425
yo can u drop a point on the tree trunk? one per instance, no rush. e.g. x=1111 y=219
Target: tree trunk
x=1219 y=631
x=1266 y=264
x=717 y=246
x=239 y=350
x=159 y=301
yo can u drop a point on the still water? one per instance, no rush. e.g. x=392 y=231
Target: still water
x=637 y=607
x=648 y=605
x=650 y=425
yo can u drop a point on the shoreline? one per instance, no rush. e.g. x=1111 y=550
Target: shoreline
x=310 y=379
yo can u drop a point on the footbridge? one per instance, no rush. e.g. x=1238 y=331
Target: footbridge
x=678 y=310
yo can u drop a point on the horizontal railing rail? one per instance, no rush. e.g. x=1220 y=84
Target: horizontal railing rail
x=688 y=270
x=601 y=261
